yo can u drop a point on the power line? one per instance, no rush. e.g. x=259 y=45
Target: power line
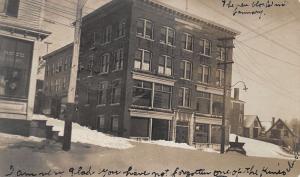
x=253 y=30
x=268 y=55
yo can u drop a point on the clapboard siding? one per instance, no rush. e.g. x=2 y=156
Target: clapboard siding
x=30 y=14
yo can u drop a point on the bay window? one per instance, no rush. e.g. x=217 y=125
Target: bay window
x=151 y=94
x=184 y=97
x=142 y=59
x=165 y=65
x=203 y=74
x=167 y=35
x=186 y=69
x=145 y=28
x=205 y=47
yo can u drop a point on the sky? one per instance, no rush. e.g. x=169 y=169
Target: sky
x=266 y=54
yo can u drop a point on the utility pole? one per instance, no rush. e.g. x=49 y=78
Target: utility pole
x=71 y=106
x=225 y=63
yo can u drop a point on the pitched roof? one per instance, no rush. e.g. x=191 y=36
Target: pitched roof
x=249 y=120
x=284 y=124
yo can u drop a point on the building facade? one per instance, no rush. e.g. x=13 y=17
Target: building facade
x=236 y=118
x=20 y=40
x=57 y=78
x=150 y=71
x=252 y=126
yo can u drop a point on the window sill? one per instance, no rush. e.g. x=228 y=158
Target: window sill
x=186 y=50
x=100 y=105
x=120 y=37
x=204 y=55
x=114 y=104
x=169 y=45
x=143 y=37
x=186 y=79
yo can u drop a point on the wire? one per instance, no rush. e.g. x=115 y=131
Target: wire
x=253 y=30
x=268 y=55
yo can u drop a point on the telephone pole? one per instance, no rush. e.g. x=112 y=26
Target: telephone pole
x=225 y=63
x=71 y=106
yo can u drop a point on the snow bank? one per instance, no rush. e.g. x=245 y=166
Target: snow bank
x=86 y=135
x=171 y=144
x=17 y=137
x=262 y=149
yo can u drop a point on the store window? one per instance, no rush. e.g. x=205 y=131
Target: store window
x=217 y=105
x=142 y=93
x=15 y=65
x=201 y=134
x=162 y=96
x=203 y=103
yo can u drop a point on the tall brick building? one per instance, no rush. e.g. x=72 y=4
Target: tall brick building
x=150 y=71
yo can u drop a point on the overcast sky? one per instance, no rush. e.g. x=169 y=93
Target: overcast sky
x=266 y=54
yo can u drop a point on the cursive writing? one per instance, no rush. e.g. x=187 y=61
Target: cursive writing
x=252 y=7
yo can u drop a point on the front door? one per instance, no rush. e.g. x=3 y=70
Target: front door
x=182 y=133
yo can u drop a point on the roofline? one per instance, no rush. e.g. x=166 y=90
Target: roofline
x=41 y=33
x=256 y=117
x=192 y=16
x=172 y=9
x=45 y=57
x=283 y=124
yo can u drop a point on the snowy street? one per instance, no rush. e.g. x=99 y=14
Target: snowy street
x=36 y=156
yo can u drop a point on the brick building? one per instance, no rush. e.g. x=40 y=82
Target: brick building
x=150 y=71
x=57 y=76
x=20 y=41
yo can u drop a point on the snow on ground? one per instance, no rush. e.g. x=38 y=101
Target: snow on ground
x=262 y=149
x=86 y=135
x=170 y=144
x=17 y=137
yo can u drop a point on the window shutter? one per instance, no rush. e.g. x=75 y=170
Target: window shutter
x=12 y=8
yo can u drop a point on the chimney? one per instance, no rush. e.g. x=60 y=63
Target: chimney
x=273 y=120
x=236 y=93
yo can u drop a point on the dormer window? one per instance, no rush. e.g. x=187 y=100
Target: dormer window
x=9 y=7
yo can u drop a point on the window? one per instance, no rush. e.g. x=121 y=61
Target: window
x=66 y=64
x=162 y=96
x=165 y=65
x=220 y=77
x=187 y=41
x=60 y=65
x=90 y=66
x=47 y=70
x=106 y=36
x=142 y=93
x=115 y=92
x=101 y=93
x=205 y=47
x=9 y=7
x=142 y=60
x=203 y=103
x=101 y=122
x=64 y=84
x=186 y=70
x=115 y=123
x=88 y=96
x=184 y=96
x=104 y=63
x=56 y=85
x=221 y=53
x=203 y=74
x=118 y=59
x=167 y=35
x=217 y=105
x=201 y=134
x=145 y=28
x=286 y=133
x=151 y=94
x=53 y=69
x=121 y=28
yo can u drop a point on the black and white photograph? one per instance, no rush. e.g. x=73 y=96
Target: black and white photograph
x=149 y=88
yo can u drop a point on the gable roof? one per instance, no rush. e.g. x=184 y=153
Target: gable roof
x=249 y=120
x=284 y=124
